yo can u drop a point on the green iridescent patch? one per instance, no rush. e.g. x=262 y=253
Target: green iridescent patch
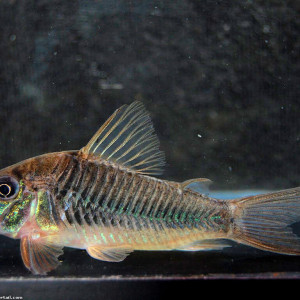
x=4 y=205
x=44 y=216
x=17 y=215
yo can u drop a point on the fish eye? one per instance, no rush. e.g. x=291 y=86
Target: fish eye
x=9 y=187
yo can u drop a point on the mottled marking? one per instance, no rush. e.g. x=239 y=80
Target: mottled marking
x=176 y=203
x=135 y=197
x=62 y=166
x=69 y=176
x=141 y=198
x=120 y=190
x=125 y=206
x=123 y=196
x=108 y=183
x=155 y=195
x=156 y=202
x=98 y=193
x=58 y=164
x=167 y=204
x=54 y=213
x=78 y=217
x=69 y=217
x=156 y=209
x=148 y=192
x=90 y=181
x=114 y=185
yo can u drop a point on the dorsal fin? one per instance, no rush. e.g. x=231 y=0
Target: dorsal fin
x=128 y=139
x=199 y=185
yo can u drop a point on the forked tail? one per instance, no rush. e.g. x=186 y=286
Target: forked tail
x=262 y=221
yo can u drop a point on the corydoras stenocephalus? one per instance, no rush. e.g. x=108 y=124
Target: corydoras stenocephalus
x=104 y=199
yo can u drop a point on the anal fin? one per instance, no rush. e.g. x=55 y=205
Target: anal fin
x=205 y=245
x=109 y=254
x=40 y=255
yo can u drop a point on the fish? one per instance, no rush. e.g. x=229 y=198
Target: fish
x=107 y=199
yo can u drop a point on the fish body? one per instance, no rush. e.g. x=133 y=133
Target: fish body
x=103 y=198
x=91 y=201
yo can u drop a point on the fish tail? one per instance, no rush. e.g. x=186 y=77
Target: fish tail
x=263 y=221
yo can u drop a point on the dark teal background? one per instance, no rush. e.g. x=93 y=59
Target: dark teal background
x=227 y=71
x=220 y=80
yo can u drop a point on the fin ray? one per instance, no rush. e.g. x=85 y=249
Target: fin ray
x=128 y=139
x=39 y=255
x=109 y=254
x=262 y=221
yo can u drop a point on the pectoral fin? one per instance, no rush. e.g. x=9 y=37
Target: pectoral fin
x=108 y=254
x=39 y=255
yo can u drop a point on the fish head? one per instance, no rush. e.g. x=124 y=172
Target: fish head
x=16 y=202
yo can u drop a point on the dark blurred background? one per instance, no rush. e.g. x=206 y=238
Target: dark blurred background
x=220 y=78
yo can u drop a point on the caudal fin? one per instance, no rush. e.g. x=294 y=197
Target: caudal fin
x=262 y=221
